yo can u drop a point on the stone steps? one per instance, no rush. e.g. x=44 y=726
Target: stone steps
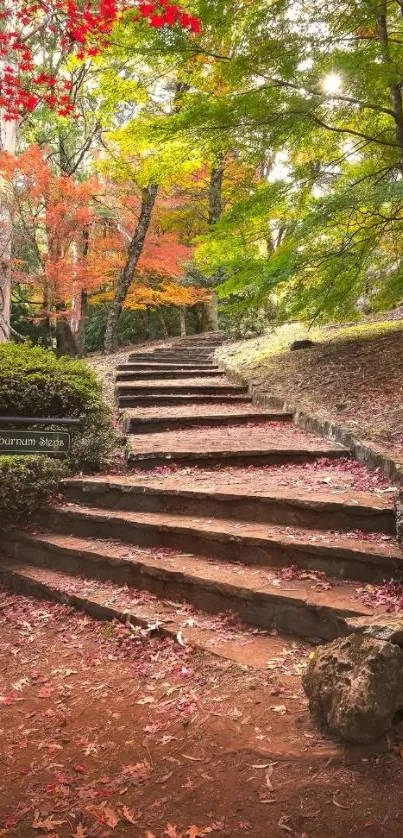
x=278 y=506
x=155 y=366
x=148 y=614
x=339 y=555
x=137 y=424
x=296 y=608
x=139 y=375
x=186 y=388
x=173 y=357
x=162 y=399
x=275 y=455
x=260 y=553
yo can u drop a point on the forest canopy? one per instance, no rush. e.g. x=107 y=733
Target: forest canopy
x=157 y=158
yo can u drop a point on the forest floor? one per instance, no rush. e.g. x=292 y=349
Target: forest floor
x=353 y=375
x=108 y=734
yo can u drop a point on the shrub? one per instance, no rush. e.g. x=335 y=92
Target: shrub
x=26 y=483
x=34 y=382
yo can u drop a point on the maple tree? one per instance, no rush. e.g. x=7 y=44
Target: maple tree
x=52 y=214
x=68 y=247
x=36 y=38
x=75 y=26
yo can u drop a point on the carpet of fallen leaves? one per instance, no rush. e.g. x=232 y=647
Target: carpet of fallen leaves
x=104 y=735
x=356 y=382
x=324 y=475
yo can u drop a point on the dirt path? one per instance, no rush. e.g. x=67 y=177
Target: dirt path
x=107 y=735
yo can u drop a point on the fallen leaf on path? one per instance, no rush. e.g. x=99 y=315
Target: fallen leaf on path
x=180 y=638
x=284 y=825
x=111 y=818
x=47 y=824
x=340 y=805
x=194 y=759
x=172 y=831
x=279 y=708
x=265 y=765
x=129 y=815
x=80 y=832
x=147 y=700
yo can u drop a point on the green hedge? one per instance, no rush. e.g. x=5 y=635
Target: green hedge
x=34 y=382
x=25 y=483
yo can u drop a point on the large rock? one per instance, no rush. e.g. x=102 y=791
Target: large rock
x=305 y=343
x=355 y=686
x=380 y=626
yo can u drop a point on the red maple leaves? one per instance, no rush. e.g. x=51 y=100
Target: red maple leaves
x=81 y=27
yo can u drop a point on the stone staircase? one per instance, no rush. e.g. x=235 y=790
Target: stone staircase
x=223 y=506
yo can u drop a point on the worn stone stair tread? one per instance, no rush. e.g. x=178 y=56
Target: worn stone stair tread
x=135 y=423
x=132 y=376
x=167 y=367
x=242 y=644
x=203 y=411
x=179 y=398
x=150 y=383
x=355 y=501
x=211 y=585
x=255 y=437
x=246 y=542
x=192 y=384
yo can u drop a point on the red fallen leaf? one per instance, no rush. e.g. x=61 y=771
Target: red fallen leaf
x=11 y=698
x=79 y=768
x=45 y=692
x=10 y=821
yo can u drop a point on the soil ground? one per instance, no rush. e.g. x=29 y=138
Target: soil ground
x=105 y=734
x=353 y=375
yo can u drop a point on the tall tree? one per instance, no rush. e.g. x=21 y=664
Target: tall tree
x=32 y=34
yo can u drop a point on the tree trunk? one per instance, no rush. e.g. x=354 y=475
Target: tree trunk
x=81 y=326
x=211 y=310
x=8 y=143
x=65 y=339
x=395 y=87
x=215 y=213
x=134 y=252
x=162 y=320
x=182 y=320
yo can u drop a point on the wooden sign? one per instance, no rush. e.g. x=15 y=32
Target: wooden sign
x=34 y=442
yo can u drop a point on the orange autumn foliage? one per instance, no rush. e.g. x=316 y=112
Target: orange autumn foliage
x=66 y=244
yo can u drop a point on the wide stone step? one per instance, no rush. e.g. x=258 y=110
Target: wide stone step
x=139 y=375
x=181 y=388
x=155 y=366
x=263 y=600
x=172 y=357
x=340 y=555
x=275 y=455
x=138 y=425
x=149 y=615
x=251 y=443
x=322 y=510
x=162 y=399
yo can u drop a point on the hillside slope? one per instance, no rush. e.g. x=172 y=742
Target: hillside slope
x=352 y=375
